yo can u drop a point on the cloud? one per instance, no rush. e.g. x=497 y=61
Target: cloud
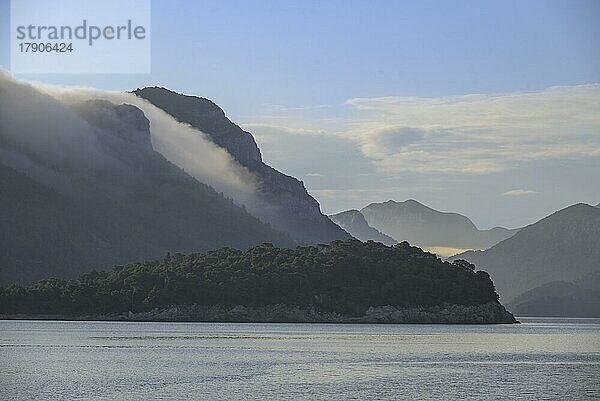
x=473 y=134
x=309 y=151
x=375 y=190
x=554 y=106
x=477 y=134
x=449 y=150
x=182 y=144
x=265 y=129
x=520 y=192
x=38 y=118
x=44 y=138
x=282 y=108
x=389 y=141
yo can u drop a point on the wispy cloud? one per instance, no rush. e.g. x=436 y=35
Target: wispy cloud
x=468 y=134
x=266 y=129
x=282 y=108
x=554 y=106
x=478 y=134
x=375 y=190
x=413 y=147
x=315 y=175
x=520 y=192
x=392 y=140
x=180 y=143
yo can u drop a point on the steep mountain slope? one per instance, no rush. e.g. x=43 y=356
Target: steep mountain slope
x=560 y=298
x=283 y=200
x=560 y=247
x=43 y=233
x=82 y=188
x=354 y=223
x=426 y=227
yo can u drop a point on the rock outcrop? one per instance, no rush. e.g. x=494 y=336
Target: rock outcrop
x=489 y=313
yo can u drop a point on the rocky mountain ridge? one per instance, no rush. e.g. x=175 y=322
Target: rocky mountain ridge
x=284 y=201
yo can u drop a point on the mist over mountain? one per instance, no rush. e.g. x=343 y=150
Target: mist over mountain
x=426 y=227
x=559 y=298
x=282 y=200
x=180 y=143
x=354 y=223
x=560 y=247
x=83 y=188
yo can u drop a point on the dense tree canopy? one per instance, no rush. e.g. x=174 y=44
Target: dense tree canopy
x=345 y=276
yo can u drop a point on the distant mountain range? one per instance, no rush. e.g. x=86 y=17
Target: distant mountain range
x=559 y=298
x=564 y=246
x=354 y=222
x=283 y=200
x=439 y=232
x=537 y=264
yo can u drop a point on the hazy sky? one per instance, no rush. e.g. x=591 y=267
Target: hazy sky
x=491 y=109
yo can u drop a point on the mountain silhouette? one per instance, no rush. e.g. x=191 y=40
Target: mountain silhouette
x=559 y=298
x=426 y=227
x=563 y=246
x=354 y=223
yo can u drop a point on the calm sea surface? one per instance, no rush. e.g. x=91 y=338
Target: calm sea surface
x=539 y=359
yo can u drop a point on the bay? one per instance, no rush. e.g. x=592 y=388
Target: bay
x=542 y=358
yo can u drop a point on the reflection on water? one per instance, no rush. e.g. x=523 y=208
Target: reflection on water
x=541 y=358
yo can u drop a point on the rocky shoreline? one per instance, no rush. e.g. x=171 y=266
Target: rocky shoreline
x=489 y=313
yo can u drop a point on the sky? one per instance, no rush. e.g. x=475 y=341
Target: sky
x=486 y=108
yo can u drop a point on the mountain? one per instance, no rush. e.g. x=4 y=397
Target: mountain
x=559 y=247
x=82 y=189
x=354 y=223
x=426 y=227
x=283 y=200
x=43 y=232
x=560 y=298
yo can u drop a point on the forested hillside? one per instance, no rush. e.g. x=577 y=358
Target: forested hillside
x=345 y=277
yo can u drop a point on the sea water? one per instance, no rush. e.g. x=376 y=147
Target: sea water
x=538 y=359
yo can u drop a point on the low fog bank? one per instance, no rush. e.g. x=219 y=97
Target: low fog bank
x=38 y=127
x=45 y=138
